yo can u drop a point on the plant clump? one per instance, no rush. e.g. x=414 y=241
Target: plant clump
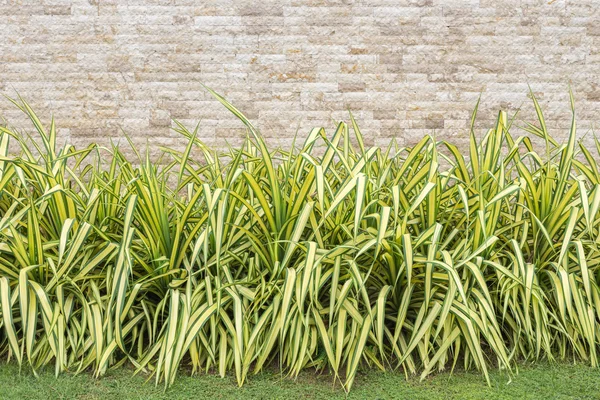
x=331 y=255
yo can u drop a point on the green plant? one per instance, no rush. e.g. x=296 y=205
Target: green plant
x=330 y=255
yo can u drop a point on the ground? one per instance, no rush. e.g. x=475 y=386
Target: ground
x=542 y=381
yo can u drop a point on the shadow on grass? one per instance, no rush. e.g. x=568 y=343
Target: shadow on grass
x=542 y=381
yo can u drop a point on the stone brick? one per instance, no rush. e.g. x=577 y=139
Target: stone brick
x=404 y=67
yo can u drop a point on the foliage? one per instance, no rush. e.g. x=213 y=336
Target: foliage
x=331 y=256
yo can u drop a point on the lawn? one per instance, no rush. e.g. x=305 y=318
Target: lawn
x=542 y=381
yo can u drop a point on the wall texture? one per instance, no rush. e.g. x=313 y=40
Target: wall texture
x=404 y=67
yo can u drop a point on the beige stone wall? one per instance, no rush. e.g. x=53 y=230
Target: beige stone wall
x=404 y=67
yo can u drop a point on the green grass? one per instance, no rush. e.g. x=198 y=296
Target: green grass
x=542 y=381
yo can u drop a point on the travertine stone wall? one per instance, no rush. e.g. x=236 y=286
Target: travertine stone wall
x=404 y=67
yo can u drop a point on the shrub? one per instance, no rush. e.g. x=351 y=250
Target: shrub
x=329 y=256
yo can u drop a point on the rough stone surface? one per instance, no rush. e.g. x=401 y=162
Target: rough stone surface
x=405 y=68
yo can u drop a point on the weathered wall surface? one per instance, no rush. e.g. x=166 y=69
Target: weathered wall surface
x=404 y=67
